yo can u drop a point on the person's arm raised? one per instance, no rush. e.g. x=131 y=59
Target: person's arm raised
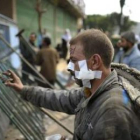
x=57 y=100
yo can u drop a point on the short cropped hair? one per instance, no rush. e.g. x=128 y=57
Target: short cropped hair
x=129 y=36
x=47 y=41
x=33 y=33
x=95 y=41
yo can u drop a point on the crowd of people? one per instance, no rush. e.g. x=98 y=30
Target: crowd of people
x=45 y=56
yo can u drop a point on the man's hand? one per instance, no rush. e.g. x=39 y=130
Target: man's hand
x=13 y=81
x=63 y=138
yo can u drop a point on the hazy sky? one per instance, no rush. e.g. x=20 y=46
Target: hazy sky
x=131 y=8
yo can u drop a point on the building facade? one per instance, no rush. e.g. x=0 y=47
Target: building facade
x=59 y=15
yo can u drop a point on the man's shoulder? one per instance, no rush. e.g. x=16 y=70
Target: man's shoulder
x=51 y=50
x=47 y=50
x=41 y=50
x=135 y=54
x=117 y=98
x=134 y=60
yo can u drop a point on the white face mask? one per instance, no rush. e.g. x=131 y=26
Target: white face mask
x=84 y=74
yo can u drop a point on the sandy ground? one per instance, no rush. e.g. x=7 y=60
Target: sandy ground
x=50 y=126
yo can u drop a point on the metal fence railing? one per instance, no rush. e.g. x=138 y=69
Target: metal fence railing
x=27 y=118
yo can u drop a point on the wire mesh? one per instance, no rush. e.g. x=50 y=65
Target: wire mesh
x=26 y=117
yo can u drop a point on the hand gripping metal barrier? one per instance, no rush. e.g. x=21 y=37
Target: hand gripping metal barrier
x=26 y=117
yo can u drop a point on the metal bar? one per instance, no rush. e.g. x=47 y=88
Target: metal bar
x=14 y=120
x=27 y=105
x=22 y=116
x=61 y=86
x=44 y=79
x=9 y=106
x=27 y=45
x=58 y=122
x=47 y=113
x=35 y=77
x=30 y=49
x=29 y=120
x=14 y=102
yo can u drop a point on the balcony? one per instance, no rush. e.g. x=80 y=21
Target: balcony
x=79 y=4
x=75 y=7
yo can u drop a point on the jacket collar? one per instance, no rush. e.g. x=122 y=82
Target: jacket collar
x=107 y=83
x=129 y=52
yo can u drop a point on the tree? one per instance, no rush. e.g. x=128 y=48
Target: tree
x=40 y=12
x=122 y=3
x=108 y=22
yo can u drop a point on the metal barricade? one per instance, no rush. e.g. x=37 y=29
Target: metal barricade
x=25 y=116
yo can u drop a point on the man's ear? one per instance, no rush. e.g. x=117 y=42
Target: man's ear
x=95 y=62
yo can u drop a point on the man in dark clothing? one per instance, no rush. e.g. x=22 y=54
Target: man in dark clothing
x=64 y=48
x=29 y=57
x=102 y=107
x=47 y=58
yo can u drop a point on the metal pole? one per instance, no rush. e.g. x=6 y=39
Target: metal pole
x=15 y=113
x=20 y=115
x=58 y=122
x=30 y=49
x=29 y=120
x=44 y=79
x=15 y=121
x=26 y=44
x=46 y=112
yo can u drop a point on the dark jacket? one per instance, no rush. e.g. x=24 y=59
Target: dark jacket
x=26 y=53
x=48 y=58
x=106 y=115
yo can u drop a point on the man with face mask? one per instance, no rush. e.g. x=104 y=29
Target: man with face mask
x=102 y=107
x=129 y=53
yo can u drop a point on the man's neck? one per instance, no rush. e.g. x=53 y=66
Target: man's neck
x=128 y=49
x=46 y=46
x=97 y=82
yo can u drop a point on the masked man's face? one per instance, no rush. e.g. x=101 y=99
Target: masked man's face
x=76 y=54
x=84 y=71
